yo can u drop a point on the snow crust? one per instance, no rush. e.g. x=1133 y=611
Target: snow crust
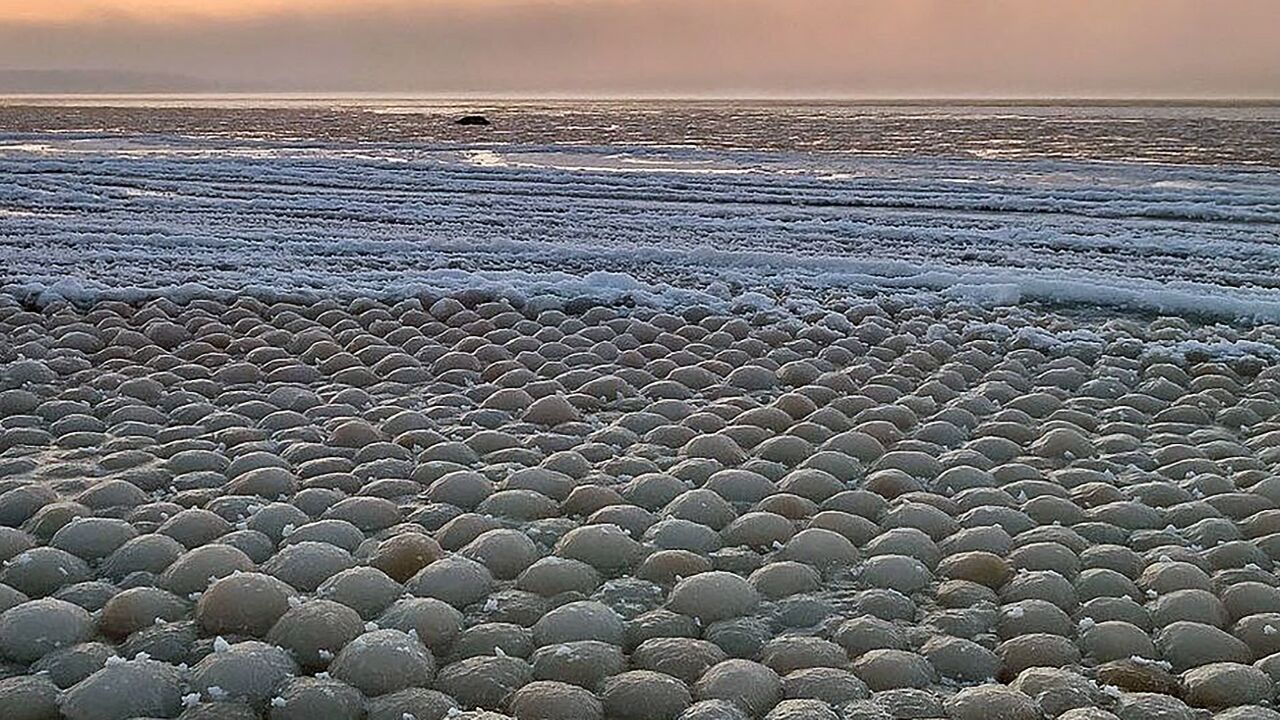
x=86 y=216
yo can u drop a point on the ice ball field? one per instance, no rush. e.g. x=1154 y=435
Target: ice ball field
x=875 y=510
x=513 y=475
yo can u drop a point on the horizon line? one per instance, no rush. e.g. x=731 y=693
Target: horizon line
x=297 y=95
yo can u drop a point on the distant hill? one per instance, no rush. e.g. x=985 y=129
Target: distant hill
x=98 y=81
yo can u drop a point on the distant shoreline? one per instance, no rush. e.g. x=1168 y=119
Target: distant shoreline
x=365 y=98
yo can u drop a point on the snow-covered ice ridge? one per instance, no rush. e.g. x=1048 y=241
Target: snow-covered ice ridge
x=92 y=214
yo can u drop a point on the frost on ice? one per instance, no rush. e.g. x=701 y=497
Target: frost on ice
x=93 y=217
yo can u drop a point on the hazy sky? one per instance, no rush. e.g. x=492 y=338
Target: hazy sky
x=798 y=47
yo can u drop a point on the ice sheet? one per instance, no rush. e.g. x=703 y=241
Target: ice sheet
x=87 y=215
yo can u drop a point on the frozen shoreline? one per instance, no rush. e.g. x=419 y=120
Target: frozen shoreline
x=93 y=217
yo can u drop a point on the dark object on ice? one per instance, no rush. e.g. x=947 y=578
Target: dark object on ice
x=474 y=121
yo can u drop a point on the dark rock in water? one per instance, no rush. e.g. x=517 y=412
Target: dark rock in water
x=474 y=121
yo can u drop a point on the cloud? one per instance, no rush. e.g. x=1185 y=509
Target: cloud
x=878 y=47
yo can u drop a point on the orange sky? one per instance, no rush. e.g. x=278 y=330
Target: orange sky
x=40 y=11
x=853 y=47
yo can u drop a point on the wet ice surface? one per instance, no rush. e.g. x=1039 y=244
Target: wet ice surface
x=401 y=430
x=1207 y=134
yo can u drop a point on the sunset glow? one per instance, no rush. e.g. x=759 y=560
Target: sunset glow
x=809 y=47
